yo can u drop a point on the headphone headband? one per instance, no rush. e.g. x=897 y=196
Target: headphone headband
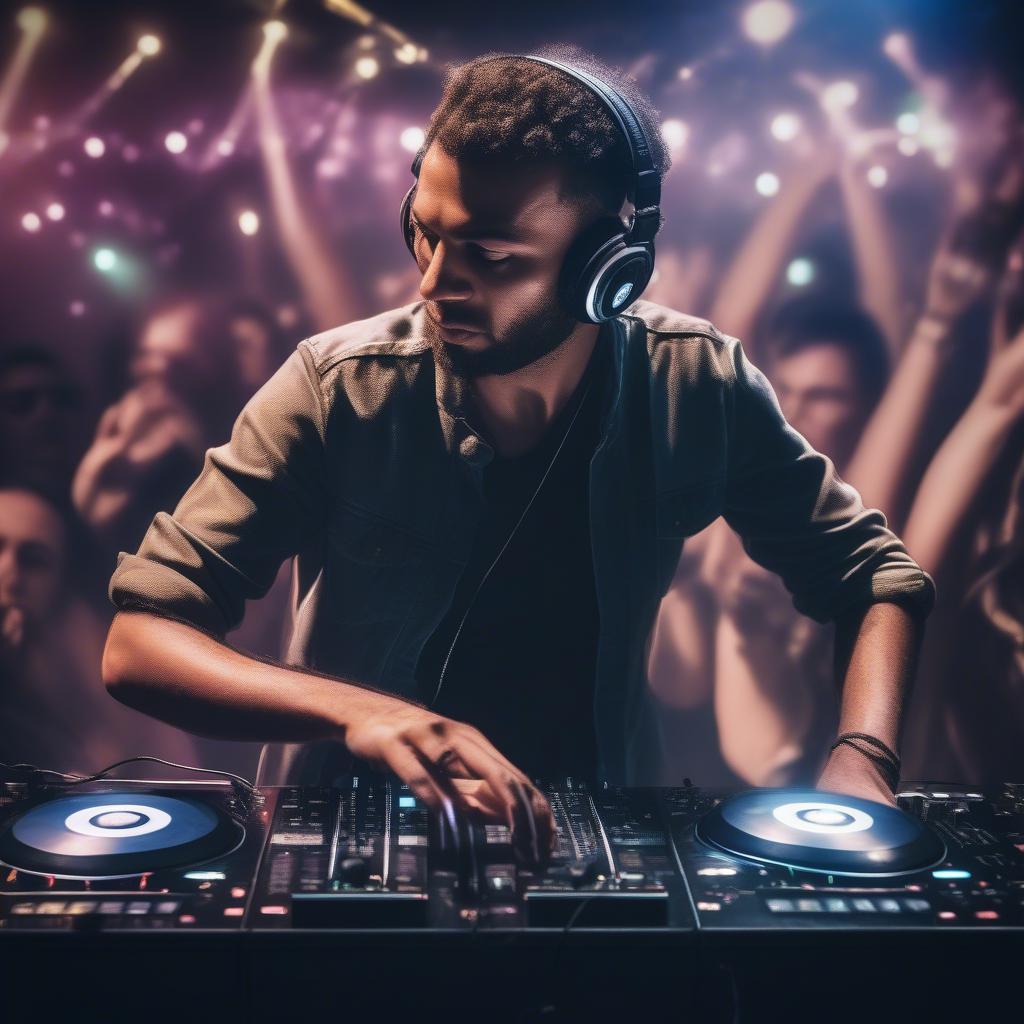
x=644 y=188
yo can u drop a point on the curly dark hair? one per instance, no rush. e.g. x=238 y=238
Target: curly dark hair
x=500 y=107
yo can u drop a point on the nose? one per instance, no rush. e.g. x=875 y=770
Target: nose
x=442 y=279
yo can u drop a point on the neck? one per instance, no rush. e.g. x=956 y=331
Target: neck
x=515 y=409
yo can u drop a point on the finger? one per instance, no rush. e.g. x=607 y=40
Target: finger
x=415 y=774
x=435 y=747
x=536 y=803
x=484 y=766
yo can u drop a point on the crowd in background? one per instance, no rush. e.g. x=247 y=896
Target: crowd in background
x=890 y=321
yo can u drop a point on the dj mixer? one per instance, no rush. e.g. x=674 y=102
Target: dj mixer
x=263 y=903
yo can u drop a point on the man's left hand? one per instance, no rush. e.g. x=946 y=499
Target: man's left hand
x=850 y=772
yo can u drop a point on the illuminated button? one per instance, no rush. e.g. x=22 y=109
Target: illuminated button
x=809 y=906
x=23 y=908
x=234 y=911
x=823 y=817
x=205 y=876
x=112 y=906
x=51 y=907
x=81 y=907
x=139 y=907
x=407 y=801
x=709 y=905
x=779 y=906
x=951 y=873
x=947 y=915
x=889 y=906
x=987 y=915
x=186 y=919
x=167 y=907
x=274 y=910
x=238 y=893
x=836 y=905
x=118 y=819
x=916 y=905
x=864 y=906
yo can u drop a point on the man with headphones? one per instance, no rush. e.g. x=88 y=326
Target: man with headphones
x=486 y=492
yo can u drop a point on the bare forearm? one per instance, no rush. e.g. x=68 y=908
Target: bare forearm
x=182 y=676
x=888 y=448
x=874 y=251
x=876 y=656
x=952 y=482
x=755 y=269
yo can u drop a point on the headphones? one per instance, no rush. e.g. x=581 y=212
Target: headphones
x=610 y=263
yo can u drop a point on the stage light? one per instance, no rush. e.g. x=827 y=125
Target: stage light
x=105 y=208
x=55 y=211
x=685 y=73
x=248 y=222
x=366 y=42
x=785 y=126
x=897 y=46
x=800 y=272
x=877 y=176
x=839 y=96
x=32 y=20
x=412 y=138
x=675 y=133
x=225 y=147
x=176 y=142
x=104 y=260
x=149 y=45
x=77 y=308
x=274 y=31
x=366 y=67
x=908 y=146
x=767 y=21
x=31 y=222
x=94 y=146
x=406 y=53
x=767 y=184
x=130 y=153
x=908 y=123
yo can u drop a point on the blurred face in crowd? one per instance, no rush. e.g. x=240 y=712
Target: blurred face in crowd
x=31 y=555
x=253 y=346
x=36 y=407
x=818 y=390
x=490 y=243
x=170 y=352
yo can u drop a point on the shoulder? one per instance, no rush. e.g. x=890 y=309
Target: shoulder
x=395 y=333
x=682 y=343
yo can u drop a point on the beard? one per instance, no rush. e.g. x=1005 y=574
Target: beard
x=530 y=339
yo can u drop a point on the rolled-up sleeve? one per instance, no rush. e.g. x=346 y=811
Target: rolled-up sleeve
x=257 y=501
x=797 y=518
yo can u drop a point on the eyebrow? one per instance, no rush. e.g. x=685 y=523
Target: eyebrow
x=496 y=233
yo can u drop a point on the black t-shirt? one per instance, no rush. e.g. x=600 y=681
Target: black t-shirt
x=522 y=668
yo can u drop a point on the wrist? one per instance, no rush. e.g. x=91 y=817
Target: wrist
x=933 y=330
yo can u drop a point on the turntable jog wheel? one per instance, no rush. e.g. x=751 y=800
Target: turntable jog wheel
x=816 y=831
x=115 y=834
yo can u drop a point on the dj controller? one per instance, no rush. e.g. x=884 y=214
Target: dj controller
x=210 y=901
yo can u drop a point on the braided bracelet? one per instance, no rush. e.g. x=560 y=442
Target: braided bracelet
x=886 y=760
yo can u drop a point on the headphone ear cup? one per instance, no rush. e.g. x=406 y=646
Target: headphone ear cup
x=408 y=232
x=602 y=273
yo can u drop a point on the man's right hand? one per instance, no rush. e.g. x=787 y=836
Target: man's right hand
x=433 y=755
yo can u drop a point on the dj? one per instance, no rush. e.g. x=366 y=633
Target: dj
x=486 y=491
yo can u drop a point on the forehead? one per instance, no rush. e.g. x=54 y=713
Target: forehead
x=818 y=363
x=464 y=199
x=26 y=518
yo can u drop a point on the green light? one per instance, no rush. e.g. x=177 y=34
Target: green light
x=104 y=260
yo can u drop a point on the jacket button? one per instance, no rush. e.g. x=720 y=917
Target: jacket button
x=474 y=451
